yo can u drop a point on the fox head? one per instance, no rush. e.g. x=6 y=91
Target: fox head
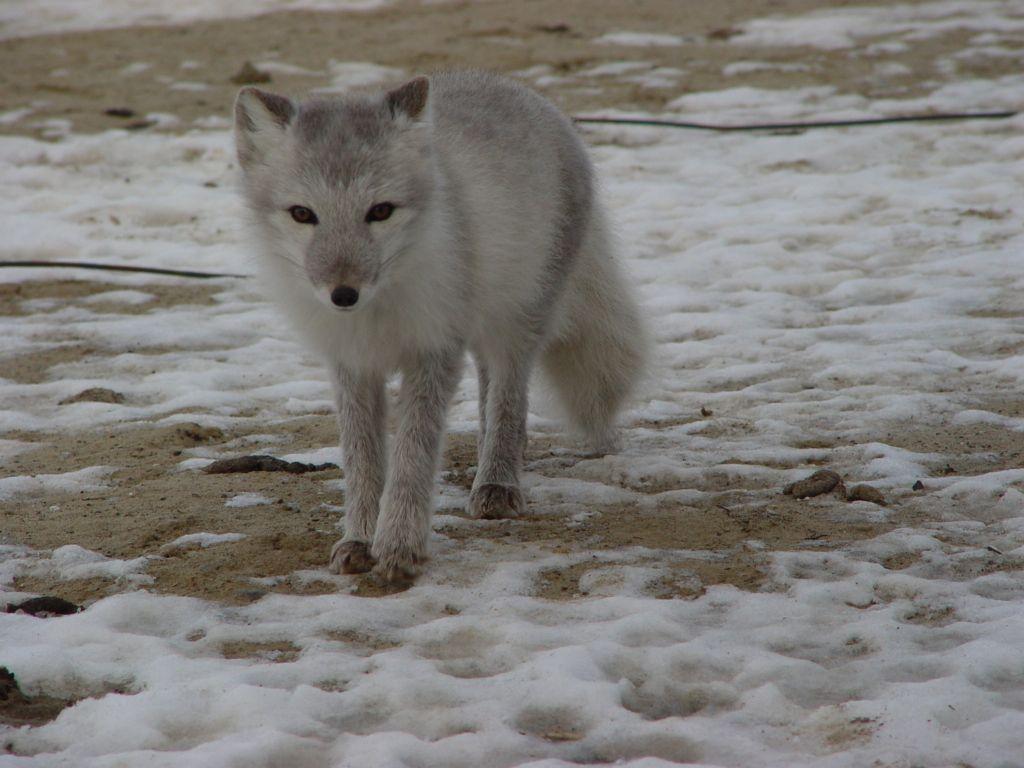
x=338 y=185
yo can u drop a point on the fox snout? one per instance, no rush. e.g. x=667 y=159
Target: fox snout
x=341 y=286
x=344 y=296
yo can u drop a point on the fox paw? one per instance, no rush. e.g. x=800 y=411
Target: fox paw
x=491 y=501
x=351 y=557
x=397 y=566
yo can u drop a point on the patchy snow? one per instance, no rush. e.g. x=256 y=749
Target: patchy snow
x=842 y=288
x=211 y=539
x=283 y=68
x=21 y=18
x=330 y=454
x=188 y=465
x=14 y=115
x=834 y=28
x=25 y=486
x=603 y=70
x=346 y=75
x=746 y=67
x=11 y=448
x=120 y=297
x=70 y=562
x=188 y=85
x=135 y=68
x=247 y=500
x=639 y=39
x=746 y=104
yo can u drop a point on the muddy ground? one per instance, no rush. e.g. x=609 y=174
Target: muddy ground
x=77 y=77
x=186 y=71
x=151 y=502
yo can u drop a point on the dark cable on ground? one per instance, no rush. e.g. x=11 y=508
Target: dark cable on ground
x=932 y=118
x=943 y=117
x=119 y=268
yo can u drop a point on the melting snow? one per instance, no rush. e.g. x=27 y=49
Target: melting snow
x=820 y=289
x=210 y=539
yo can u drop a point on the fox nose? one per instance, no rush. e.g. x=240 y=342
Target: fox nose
x=344 y=296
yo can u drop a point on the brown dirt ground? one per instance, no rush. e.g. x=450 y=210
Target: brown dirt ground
x=77 y=76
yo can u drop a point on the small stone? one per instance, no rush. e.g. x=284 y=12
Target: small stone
x=558 y=734
x=865 y=493
x=9 y=689
x=822 y=481
x=251 y=595
x=44 y=607
x=724 y=33
x=119 y=112
x=197 y=433
x=560 y=28
x=248 y=75
x=94 y=395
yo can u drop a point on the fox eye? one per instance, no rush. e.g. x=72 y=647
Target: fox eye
x=379 y=212
x=303 y=215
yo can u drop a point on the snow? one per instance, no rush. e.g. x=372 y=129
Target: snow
x=746 y=67
x=746 y=104
x=20 y=18
x=639 y=39
x=247 y=500
x=283 y=68
x=70 y=562
x=11 y=448
x=327 y=455
x=210 y=539
x=843 y=28
x=120 y=297
x=346 y=75
x=23 y=486
x=818 y=289
x=14 y=115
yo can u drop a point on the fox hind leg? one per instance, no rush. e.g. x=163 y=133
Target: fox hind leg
x=496 y=492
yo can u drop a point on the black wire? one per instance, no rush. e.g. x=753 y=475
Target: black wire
x=119 y=268
x=800 y=126
x=593 y=120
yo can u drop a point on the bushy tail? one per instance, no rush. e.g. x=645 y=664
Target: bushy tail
x=600 y=348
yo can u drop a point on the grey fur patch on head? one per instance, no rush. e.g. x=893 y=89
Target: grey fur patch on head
x=337 y=124
x=409 y=99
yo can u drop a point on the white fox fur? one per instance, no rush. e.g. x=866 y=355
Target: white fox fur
x=494 y=243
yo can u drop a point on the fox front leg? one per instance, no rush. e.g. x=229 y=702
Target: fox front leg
x=400 y=544
x=361 y=401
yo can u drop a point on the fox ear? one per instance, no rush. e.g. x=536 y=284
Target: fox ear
x=409 y=99
x=260 y=121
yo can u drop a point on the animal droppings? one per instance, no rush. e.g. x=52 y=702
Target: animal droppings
x=822 y=481
x=264 y=464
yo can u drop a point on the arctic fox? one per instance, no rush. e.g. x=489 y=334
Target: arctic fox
x=400 y=230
